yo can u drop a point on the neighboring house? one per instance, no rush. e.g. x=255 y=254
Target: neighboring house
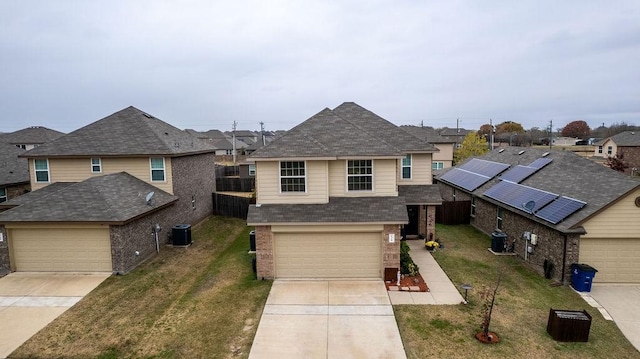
x=334 y=192
x=94 y=183
x=446 y=145
x=565 y=141
x=14 y=172
x=30 y=137
x=625 y=144
x=559 y=209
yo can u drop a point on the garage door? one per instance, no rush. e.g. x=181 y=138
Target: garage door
x=615 y=259
x=328 y=255
x=61 y=250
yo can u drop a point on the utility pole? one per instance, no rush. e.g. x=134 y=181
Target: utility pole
x=491 y=131
x=550 y=133
x=262 y=133
x=234 y=141
x=457 y=131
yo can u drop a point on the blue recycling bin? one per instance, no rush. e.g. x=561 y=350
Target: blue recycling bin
x=582 y=276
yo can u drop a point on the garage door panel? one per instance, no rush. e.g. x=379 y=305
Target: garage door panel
x=615 y=259
x=328 y=255
x=62 y=250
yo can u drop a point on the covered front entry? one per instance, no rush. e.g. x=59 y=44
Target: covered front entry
x=43 y=249
x=328 y=255
x=615 y=259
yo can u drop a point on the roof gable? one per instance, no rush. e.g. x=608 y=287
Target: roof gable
x=12 y=169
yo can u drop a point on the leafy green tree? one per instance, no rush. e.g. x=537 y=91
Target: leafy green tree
x=472 y=145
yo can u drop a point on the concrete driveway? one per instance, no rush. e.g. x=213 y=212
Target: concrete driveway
x=30 y=301
x=327 y=319
x=622 y=302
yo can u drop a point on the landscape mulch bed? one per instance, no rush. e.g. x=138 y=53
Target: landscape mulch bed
x=407 y=281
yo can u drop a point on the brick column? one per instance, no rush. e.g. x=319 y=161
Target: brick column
x=265 y=267
x=422 y=220
x=5 y=265
x=391 y=251
x=431 y=222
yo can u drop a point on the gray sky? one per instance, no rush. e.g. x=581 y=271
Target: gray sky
x=204 y=64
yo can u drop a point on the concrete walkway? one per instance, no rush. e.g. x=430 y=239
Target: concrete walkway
x=30 y=301
x=441 y=289
x=327 y=319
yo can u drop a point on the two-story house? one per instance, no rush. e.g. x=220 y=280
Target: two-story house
x=334 y=192
x=103 y=194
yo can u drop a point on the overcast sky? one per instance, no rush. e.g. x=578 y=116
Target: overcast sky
x=204 y=64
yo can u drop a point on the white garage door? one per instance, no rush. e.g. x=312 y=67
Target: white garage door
x=615 y=259
x=61 y=250
x=328 y=255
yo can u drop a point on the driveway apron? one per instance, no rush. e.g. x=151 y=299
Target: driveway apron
x=328 y=319
x=30 y=301
x=622 y=303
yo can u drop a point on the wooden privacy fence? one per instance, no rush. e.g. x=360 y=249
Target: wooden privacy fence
x=451 y=213
x=235 y=184
x=231 y=206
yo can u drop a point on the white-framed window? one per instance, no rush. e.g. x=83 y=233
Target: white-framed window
x=157 y=169
x=473 y=206
x=41 y=167
x=499 y=218
x=600 y=149
x=3 y=194
x=252 y=169
x=454 y=194
x=360 y=175
x=610 y=150
x=96 y=165
x=436 y=165
x=406 y=167
x=229 y=152
x=293 y=176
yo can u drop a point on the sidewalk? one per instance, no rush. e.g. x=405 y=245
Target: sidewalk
x=441 y=289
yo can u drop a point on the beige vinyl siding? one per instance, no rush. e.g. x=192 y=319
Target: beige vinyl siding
x=617 y=221
x=616 y=259
x=420 y=170
x=60 y=248
x=268 y=183
x=79 y=169
x=384 y=179
x=445 y=154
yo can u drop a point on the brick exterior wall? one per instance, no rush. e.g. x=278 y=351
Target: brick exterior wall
x=4 y=251
x=550 y=242
x=431 y=222
x=16 y=190
x=631 y=156
x=265 y=268
x=193 y=178
x=390 y=251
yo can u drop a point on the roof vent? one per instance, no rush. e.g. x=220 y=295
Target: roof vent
x=521 y=152
x=501 y=150
x=147 y=115
x=545 y=154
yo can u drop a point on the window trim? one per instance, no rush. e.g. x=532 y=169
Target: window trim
x=600 y=150
x=409 y=166
x=163 y=169
x=94 y=165
x=3 y=194
x=280 y=177
x=254 y=170
x=36 y=170
x=499 y=218
x=436 y=164
x=360 y=175
x=609 y=150
x=473 y=206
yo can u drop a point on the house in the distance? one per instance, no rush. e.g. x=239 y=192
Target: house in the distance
x=625 y=145
x=30 y=137
x=14 y=172
x=334 y=192
x=106 y=196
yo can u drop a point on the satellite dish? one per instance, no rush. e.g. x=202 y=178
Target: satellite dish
x=149 y=197
x=529 y=206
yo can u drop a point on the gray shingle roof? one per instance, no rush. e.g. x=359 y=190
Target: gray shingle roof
x=348 y=130
x=128 y=132
x=338 y=210
x=31 y=135
x=627 y=139
x=13 y=170
x=567 y=175
x=421 y=194
x=113 y=198
x=430 y=134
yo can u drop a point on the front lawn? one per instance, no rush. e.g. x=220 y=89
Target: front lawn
x=196 y=302
x=519 y=316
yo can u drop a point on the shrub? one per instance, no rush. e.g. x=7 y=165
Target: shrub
x=407 y=266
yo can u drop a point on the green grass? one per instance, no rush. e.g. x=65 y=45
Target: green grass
x=196 y=302
x=520 y=314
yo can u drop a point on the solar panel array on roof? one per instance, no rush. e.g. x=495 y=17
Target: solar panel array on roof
x=518 y=173
x=465 y=179
x=517 y=195
x=540 y=162
x=484 y=167
x=560 y=209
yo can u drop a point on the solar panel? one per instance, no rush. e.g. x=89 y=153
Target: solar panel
x=517 y=195
x=560 y=209
x=465 y=179
x=484 y=167
x=518 y=173
x=540 y=162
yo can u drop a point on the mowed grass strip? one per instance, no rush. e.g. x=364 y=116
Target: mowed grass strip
x=195 y=302
x=519 y=317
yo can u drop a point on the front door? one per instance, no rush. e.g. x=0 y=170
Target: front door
x=412 y=227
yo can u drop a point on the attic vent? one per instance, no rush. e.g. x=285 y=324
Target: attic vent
x=147 y=115
x=521 y=152
x=545 y=154
x=501 y=150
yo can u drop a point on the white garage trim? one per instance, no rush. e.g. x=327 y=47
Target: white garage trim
x=615 y=259
x=328 y=255
x=60 y=249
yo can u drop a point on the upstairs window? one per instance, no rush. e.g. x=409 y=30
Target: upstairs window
x=437 y=165
x=96 y=165
x=406 y=167
x=360 y=175
x=41 y=170
x=3 y=194
x=293 y=176
x=157 y=169
x=252 y=170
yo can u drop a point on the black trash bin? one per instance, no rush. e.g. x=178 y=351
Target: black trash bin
x=252 y=241
x=582 y=276
x=498 y=241
x=181 y=234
